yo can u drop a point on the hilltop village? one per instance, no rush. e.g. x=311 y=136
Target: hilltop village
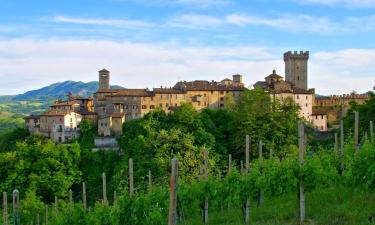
x=110 y=108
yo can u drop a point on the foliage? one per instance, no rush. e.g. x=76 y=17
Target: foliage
x=45 y=167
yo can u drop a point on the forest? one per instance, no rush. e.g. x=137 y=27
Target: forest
x=339 y=182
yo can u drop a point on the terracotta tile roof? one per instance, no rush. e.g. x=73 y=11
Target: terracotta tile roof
x=169 y=91
x=32 y=117
x=131 y=92
x=56 y=113
x=118 y=115
x=317 y=112
x=65 y=103
x=203 y=85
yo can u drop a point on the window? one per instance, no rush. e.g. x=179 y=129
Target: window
x=212 y=92
x=204 y=94
x=161 y=105
x=221 y=92
x=227 y=92
x=167 y=105
x=222 y=99
x=297 y=96
x=221 y=105
x=161 y=97
x=71 y=119
x=176 y=97
x=144 y=106
x=307 y=97
x=307 y=104
x=297 y=77
x=322 y=116
x=152 y=107
x=152 y=98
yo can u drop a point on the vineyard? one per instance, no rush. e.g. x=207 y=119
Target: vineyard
x=241 y=165
x=271 y=185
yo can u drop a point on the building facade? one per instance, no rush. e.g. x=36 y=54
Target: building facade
x=295 y=87
x=60 y=122
x=113 y=107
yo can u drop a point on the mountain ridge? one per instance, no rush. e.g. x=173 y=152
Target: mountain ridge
x=59 y=90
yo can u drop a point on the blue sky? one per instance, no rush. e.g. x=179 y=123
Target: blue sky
x=148 y=43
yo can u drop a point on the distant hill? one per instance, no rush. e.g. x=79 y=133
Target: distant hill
x=60 y=90
x=37 y=101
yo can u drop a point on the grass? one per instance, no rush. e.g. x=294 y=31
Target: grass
x=332 y=206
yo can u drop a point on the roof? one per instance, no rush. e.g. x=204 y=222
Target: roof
x=104 y=70
x=32 y=117
x=131 y=92
x=203 y=85
x=57 y=113
x=317 y=112
x=169 y=91
x=118 y=115
x=65 y=103
x=273 y=75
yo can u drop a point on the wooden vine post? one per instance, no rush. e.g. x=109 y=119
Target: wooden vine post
x=84 y=195
x=56 y=205
x=336 y=143
x=149 y=179
x=46 y=214
x=260 y=194
x=105 y=200
x=71 y=196
x=205 y=167
x=16 y=207
x=356 y=130
x=247 y=170
x=342 y=146
x=131 y=179
x=37 y=219
x=172 y=216
x=229 y=163
x=5 y=208
x=114 y=197
x=302 y=148
x=241 y=166
x=371 y=132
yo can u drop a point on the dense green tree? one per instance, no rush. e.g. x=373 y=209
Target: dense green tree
x=366 y=114
x=263 y=117
x=45 y=167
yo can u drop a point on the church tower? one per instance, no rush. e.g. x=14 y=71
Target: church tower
x=296 y=68
x=104 y=80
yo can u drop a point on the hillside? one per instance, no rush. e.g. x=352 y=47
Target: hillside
x=14 y=107
x=59 y=90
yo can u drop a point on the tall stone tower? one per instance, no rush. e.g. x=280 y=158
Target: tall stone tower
x=296 y=68
x=104 y=80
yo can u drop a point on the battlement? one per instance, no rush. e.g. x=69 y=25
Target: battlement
x=296 y=55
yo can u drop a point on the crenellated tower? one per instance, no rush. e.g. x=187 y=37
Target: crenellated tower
x=296 y=68
x=104 y=80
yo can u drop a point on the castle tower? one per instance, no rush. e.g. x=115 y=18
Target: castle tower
x=296 y=68
x=104 y=80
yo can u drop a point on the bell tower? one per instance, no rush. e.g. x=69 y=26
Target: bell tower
x=104 y=80
x=296 y=68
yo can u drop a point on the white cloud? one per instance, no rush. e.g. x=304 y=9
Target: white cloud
x=195 y=21
x=27 y=64
x=135 y=24
x=292 y=23
x=352 y=3
x=191 y=3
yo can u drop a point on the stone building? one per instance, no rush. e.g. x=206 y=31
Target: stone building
x=113 y=107
x=295 y=87
x=337 y=106
x=60 y=122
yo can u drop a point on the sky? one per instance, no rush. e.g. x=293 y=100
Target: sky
x=153 y=43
